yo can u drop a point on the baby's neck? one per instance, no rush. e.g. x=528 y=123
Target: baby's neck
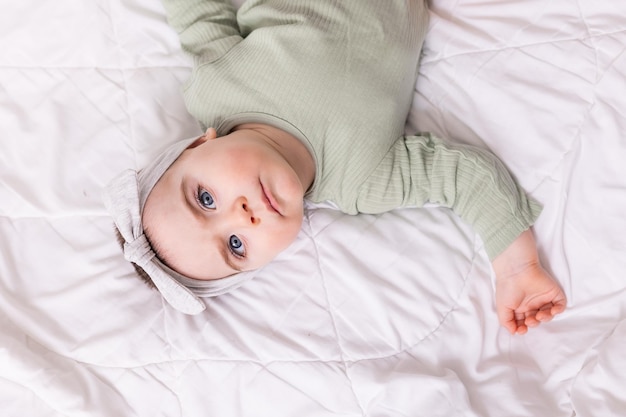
x=290 y=147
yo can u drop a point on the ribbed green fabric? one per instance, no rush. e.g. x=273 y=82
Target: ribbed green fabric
x=340 y=76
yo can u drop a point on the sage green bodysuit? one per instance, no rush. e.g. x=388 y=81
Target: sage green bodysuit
x=340 y=76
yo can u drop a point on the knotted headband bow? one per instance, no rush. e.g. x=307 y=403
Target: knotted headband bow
x=124 y=198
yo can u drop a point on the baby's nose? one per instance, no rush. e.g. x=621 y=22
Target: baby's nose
x=245 y=212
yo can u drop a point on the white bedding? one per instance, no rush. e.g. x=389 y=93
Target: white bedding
x=374 y=316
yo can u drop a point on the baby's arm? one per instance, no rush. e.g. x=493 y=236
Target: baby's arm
x=477 y=186
x=207 y=28
x=526 y=294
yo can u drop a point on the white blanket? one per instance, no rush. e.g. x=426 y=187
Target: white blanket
x=389 y=315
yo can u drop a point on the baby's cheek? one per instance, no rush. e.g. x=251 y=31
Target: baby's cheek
x=291 y=232
x=280 y=235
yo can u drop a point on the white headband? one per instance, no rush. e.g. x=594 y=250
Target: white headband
x=124 y=198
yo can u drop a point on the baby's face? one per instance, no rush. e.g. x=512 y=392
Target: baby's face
x=226 y=205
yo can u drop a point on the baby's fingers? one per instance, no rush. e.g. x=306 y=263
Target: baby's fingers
x=510 y=320
x=558 y=306
x=545 y=313
x=520 y=323
x=548 y=311
x=531 y=319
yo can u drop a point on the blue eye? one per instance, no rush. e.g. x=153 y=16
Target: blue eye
x=236 y=246
x=206 y=199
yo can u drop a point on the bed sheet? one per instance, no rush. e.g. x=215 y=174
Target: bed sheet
x=388 y=315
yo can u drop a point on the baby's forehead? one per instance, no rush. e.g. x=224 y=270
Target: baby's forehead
x=182 y=245
x=153 y=172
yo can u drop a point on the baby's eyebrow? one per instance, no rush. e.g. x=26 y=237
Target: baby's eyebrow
x=190 y=202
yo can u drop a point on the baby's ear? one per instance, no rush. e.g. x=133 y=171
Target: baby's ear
x=208 y=135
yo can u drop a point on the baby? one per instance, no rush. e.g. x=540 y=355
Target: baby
x=308 y=99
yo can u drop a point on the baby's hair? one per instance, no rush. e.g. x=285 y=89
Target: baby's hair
x=143 y=274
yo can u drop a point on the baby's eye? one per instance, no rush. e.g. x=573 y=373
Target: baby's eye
x=206 y=199
x=236 y=246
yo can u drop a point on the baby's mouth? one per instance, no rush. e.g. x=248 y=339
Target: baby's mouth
x=269 y=200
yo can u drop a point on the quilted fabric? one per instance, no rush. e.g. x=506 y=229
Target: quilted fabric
x=389 y=315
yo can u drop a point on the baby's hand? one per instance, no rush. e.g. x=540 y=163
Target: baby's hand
x=526 y=295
